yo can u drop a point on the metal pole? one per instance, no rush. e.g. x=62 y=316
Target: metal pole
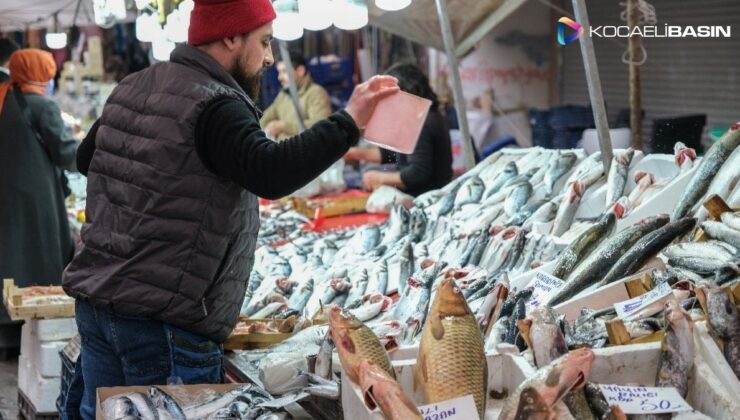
x=594 y=85
x=285 y=55
x=635 y=95
x=467 y=141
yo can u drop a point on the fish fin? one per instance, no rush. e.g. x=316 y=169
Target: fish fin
x=438 y=330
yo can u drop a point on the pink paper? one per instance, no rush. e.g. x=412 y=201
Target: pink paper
x=397 y=121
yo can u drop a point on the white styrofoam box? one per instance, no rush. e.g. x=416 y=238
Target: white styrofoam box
x=637 y=365
x=620 y=139
x=715 y=359
x=29 y=343
x=505 y=373
x=24 y=367
x=623 y=365
x=47 y=360
x=42 y=392
x=55 y=329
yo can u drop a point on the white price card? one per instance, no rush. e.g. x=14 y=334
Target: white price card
x=630 y=307
x=544 y=285
x=644 y=400
x=462 y=408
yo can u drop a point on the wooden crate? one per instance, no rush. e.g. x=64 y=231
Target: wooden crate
x=243 y=341
x=331 y=205
x=13 y=299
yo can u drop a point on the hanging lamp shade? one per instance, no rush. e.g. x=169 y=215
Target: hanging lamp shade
x=350 y=14
x=392 y=5
x=315 y=14
x=287 y=25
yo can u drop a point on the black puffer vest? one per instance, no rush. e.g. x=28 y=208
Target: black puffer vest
x=165 y=238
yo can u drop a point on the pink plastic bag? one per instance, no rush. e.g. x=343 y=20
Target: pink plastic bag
x=397 y=121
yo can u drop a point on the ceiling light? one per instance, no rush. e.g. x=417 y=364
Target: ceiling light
x=392 y=5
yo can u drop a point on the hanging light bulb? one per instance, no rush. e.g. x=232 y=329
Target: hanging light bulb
x=350 y=14
x=147 y=27
x=287 y=25
x=55 y=39
x=315 y=14
x=161 y=49
x=142 y=4
x=392 y=5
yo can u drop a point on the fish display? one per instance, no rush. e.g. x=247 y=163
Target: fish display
x=242 y=402
x=725 y=322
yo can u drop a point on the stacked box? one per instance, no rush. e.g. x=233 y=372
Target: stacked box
x=39 y=366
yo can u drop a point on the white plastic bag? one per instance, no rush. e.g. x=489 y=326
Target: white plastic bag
x=330 y=181
x=385 y=198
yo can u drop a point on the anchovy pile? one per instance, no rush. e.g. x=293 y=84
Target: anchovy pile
x=240 y=403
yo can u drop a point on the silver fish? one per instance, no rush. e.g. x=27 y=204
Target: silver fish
x=617 y=179
x=516 y=199
x=702 y=264
x=411 y=308
x=470 y=191
x=699 y=249
x=718 y=230
x=568 y=207
x=163 y=400
x=708 y=168
x=582 y=246
x=359 y=282
x=731 y=219
x=323 y=366
x=299 y=298
x=723 y=183
x=545 y=213
x=561 y=165
x=268 y=310
x=509 y=172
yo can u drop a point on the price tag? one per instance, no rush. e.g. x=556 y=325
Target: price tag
x=462 y=408
x=545 y=285
x=644 y=400
x=630 y=307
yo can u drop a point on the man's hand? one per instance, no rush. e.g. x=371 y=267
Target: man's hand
x=274 y=128
x=366 y=95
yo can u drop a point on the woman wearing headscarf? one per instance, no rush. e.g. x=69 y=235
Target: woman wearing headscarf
x=430 y=165
x=35 y=242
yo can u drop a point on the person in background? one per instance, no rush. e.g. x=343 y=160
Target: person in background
x=35 y=241
x=7 y=48
x=280 y=120
x=430 y=165
x=174 y=167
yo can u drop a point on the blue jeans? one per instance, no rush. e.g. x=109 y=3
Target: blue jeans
x=123 y=351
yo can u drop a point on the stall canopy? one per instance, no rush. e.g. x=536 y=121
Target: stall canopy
x=18 y=14
x=470 y=20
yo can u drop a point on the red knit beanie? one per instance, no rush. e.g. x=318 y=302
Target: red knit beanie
x=212 y=20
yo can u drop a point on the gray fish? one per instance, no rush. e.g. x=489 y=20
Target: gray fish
x=471 y=246
x=725 y=321
x=120 y=408
x=144 y=405
x=399 y=225
x=379 y=278
x=588 y=171
x=517 y=197
x=718 y=230
x=582 y=246
x=726 y=179
x=202 y=411
x=471 y=191
x=731 y=219
x=561 y=165
x=480 y=248
x=646 y=247
x=336 y=287
x=677 y=351
x=710 y=164
x=269 y=309
x=617 y=179
x=299 y=298
x=515 y=253
x=704 y=265
x=567 y=211
x=411 y=308
x=588 y=330
x=406 y=266
x=359 y=281
x=526 y=212
x=543 y=335
x=163 y=400
x=280 y=267
x=509 y=172
x=545 y=213
x=366 y=238
x=418 y=224
x=323 y=366
x=512 y=335
x=698 y=249
x=596 y=400
x=498 y=332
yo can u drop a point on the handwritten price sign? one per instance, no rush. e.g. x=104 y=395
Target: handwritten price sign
x=462 y=408
x=544 y=286
x=644 y=400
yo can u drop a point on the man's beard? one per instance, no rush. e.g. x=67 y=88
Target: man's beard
x=250 y=83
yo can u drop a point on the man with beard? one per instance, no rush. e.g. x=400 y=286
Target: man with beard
x=280 y=120
x=174 y=167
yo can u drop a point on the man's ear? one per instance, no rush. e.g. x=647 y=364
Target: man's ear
x=231 y=43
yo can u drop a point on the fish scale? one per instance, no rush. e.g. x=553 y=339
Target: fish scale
x=444 y=371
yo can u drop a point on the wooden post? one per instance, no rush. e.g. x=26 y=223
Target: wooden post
x=635 y=93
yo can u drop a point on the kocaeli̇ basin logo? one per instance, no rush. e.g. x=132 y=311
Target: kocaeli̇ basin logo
x=562 y=23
